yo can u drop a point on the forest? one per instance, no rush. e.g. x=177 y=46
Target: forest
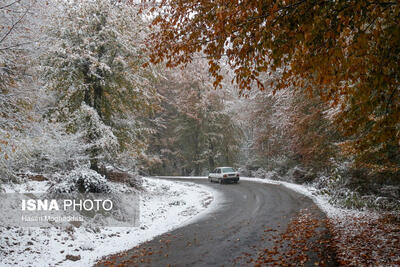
x=303 y=91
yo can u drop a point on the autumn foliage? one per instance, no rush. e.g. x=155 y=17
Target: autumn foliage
x=366 y=240
x=347 y=52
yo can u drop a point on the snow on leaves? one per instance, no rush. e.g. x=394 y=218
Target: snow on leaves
x=83 y=181
x=367 y=239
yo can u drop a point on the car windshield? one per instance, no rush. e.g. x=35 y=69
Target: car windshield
x=225 y=170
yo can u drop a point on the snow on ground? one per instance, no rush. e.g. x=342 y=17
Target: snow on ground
x=166 y=205
x=29 y=186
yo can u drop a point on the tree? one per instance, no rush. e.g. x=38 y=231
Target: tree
x=14 y=18
x=197 y=130
x=95 y=57
x=313 y=136
x=286 y=129
x=346 y=51
x=21 y=99
x=205 y=132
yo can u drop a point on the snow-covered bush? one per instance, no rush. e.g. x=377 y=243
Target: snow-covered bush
x=80 y=180
x=391 y=191
x=42 y=147
x=336 y=187
x=243 y=171
x=99 y=138
x=259 y=173
x=132 y=179
x=300 y=176
x=264 y=174
x=273 y=175
x=281 y=164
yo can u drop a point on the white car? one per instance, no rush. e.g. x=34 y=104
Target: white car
x=224 y=174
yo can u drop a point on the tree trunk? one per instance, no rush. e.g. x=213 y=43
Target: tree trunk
x=98 y=97
x=211 y=162
x=197 y=170
x=94 y=163
x=94 y=101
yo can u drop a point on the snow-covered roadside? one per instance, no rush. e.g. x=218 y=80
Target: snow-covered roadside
x=165 y=206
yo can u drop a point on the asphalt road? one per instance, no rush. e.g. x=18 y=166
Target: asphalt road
x=226 y=235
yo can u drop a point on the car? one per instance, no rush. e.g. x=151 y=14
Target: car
x=223 y=175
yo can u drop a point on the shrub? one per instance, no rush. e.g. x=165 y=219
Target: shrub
x=81 y=181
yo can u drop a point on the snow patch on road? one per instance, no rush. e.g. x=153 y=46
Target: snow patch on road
x=166 y=205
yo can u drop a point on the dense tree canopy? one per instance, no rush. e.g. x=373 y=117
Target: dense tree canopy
x=96 y=58
x=198 y=130
x=348 y=52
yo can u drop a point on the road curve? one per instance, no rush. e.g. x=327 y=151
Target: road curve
x=226 y=234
